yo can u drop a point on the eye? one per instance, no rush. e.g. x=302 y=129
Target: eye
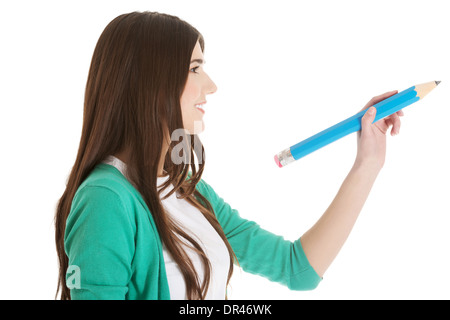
x=194 y=70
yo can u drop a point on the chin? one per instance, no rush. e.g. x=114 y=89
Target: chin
x=197 y=127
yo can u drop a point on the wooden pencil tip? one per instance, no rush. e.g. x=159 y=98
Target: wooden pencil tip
x=437 y=82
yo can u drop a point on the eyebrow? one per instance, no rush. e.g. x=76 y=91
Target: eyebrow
x=201 y=61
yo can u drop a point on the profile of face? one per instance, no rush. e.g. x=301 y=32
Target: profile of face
x=193 y=98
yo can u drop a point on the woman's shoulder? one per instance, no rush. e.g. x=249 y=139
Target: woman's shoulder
x=111 y=182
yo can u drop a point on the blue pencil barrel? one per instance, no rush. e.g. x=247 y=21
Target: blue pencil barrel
x=343 y=128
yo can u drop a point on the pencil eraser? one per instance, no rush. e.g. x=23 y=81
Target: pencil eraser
x=277 y=161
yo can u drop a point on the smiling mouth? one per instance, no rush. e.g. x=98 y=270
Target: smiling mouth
x=200 y=107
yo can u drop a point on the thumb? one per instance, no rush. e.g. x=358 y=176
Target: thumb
x=369 y=116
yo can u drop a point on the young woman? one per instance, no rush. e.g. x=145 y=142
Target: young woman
x=136 y=220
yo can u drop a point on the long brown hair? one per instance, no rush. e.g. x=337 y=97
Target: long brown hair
x=137 y=75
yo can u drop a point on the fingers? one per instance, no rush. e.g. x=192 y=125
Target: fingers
x=395 y=120
x=392 y=120
x=369 y=116
x=383 y=124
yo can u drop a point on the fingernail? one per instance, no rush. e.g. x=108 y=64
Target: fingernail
x=371 y=110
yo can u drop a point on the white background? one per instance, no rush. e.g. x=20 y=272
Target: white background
x=285 y=70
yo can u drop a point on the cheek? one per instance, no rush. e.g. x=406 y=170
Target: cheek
x=190 y=94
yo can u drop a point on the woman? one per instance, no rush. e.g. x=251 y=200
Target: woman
x=136 y=220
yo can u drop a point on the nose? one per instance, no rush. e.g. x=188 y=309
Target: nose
x=210 y=86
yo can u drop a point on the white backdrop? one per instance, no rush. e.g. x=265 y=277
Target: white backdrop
x=285 y=70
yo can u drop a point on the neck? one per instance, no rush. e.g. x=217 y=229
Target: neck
x=124 y=156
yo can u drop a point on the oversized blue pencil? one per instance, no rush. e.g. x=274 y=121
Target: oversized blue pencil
x=353 y=124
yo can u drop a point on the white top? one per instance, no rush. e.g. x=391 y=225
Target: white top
x=196 y=225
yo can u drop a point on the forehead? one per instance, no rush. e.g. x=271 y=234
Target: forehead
x=197 y=52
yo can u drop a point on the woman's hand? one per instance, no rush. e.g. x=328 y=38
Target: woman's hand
x=371 y=139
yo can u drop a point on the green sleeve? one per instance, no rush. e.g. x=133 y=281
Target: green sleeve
x=99 y=242
x=262 y=252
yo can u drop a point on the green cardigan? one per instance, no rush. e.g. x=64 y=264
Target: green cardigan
x=115 y=252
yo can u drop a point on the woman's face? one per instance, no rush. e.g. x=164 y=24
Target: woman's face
x=193 y=99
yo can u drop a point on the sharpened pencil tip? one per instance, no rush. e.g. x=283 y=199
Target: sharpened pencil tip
x=437 y=82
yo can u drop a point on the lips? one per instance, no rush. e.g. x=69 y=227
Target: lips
x=200 y=106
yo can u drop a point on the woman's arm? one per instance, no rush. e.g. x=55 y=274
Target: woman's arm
x=322 y=242
x=99 y=242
